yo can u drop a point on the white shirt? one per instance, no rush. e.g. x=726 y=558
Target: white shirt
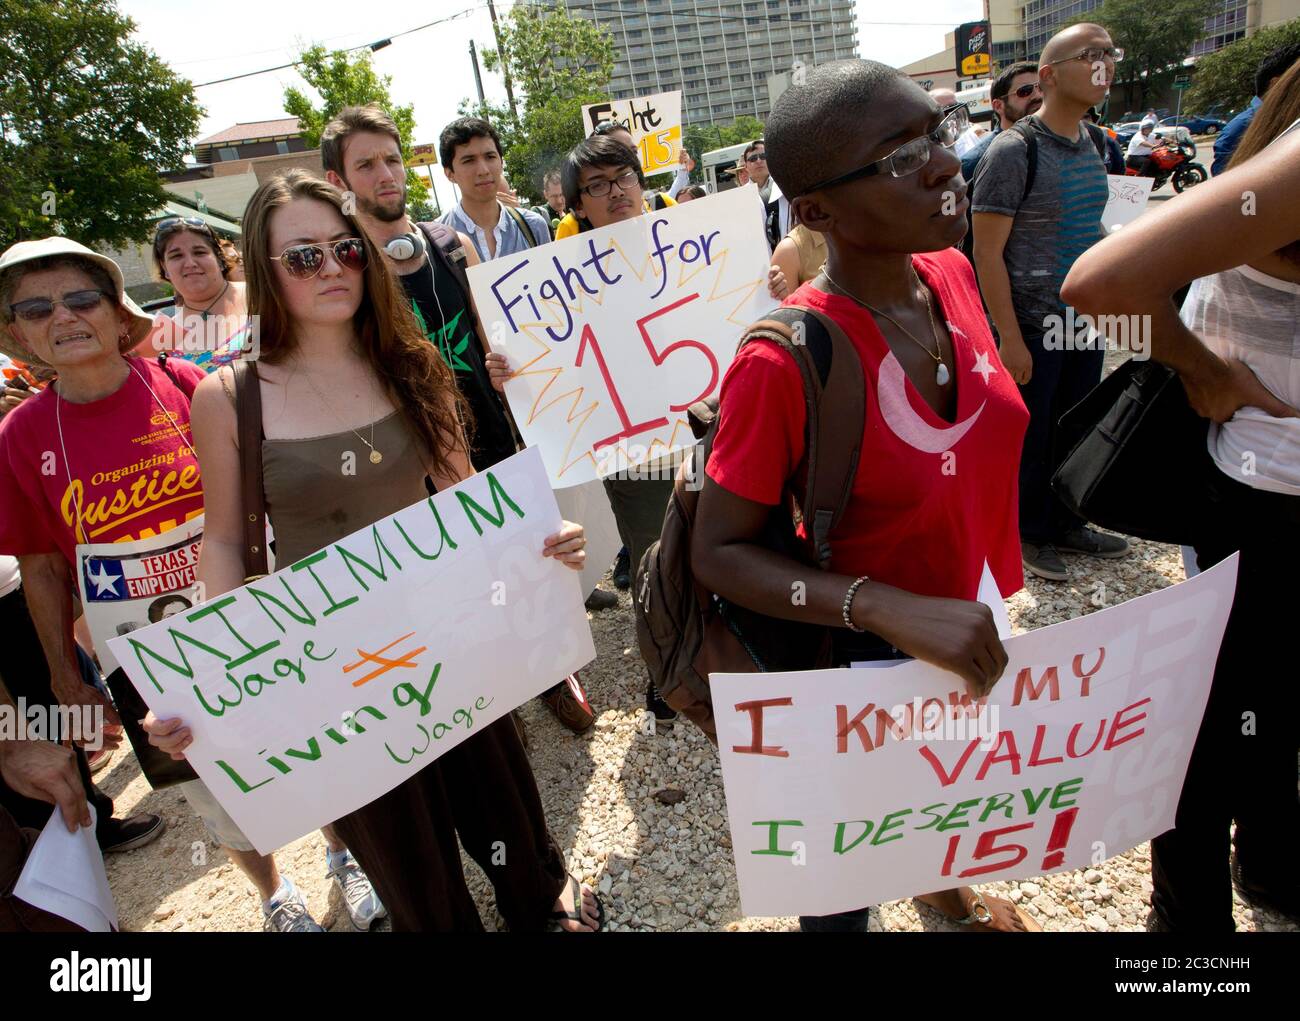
x=1141 y=145
x=9 y=576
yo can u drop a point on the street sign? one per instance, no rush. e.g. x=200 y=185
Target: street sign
x=973 y=48
x=423 y=155
x=1182 y=83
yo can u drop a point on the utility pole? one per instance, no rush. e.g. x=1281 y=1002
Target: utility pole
x=505 y=67
x=478 y=78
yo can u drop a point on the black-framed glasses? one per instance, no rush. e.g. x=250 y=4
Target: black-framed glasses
x=302 y=262
x=171 y=223
x=599 y=189
x=911 y=156
x=33 y=310
x=1095 y=55
x=754 y=157
x=1025 y=91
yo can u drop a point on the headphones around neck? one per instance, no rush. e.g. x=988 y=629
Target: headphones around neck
x=405 y=246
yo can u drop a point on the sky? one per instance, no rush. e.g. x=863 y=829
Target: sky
x=430 y=68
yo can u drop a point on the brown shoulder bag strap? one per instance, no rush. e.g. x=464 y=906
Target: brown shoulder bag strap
x=248 y=414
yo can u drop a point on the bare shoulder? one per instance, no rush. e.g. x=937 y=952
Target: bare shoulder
x=213 y=401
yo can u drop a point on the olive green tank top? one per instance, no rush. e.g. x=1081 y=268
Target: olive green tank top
x=323 y=488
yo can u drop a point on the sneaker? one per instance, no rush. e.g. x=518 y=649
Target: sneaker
x=364 y=905
x=663 y=713
x=1044 y=561
x=601 y=599
x=1092 y=543
x=1279 y=901
x=128 y=834
x=623 y=570
x=289 y=915
x=569 y=703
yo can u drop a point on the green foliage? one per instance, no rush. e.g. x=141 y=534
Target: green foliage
x=702 y=138
x=1155 y=37
x=345 y=79
x=558 y=63
x=88 y=120
x=1226 y=78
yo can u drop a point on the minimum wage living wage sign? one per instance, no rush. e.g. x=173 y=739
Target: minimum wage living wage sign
x=315 y=690
x=615 y=332
x=853 y=787
x=654 y=121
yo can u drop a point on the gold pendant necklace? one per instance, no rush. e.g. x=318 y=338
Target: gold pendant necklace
x=941 y=374
x=375 y=455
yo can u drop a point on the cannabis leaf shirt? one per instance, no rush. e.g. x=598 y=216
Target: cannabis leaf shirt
x=441 y=310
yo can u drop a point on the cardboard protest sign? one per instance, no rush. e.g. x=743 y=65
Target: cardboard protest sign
x=315 y=690
x=126 y=586
x=852 y=787
x=655 y=122
x=1128 y=200
x=615 y=332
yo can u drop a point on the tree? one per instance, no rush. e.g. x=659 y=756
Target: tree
x=342 y=79
x=1155 y=37
x=558 y=63
x=88 y=120
x=702 y=138
x=1226 y=78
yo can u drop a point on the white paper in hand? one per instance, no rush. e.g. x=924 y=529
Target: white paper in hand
x=64 y=875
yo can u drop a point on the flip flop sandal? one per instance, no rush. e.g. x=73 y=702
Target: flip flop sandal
x=555 y=917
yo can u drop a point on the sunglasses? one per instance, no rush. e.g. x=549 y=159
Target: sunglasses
x=302 y=262
x=911 y=156
x=33 y=310
x=173 y=223
x=754 y=157
x=1095 y=55
x=1025 y=91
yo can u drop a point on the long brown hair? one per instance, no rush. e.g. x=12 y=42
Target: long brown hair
x=1278 y=111
x=418 y=379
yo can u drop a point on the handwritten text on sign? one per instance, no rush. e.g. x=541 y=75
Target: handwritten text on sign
x=853 y=787
x=615 y=332
x=319 y=688
x=654 y=121
x=1128 y=200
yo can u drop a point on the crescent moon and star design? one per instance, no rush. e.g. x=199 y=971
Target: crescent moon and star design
x=904 y=421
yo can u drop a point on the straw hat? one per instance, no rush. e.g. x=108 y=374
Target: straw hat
x=27 y=251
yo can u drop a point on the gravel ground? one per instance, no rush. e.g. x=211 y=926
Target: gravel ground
x=658 y=867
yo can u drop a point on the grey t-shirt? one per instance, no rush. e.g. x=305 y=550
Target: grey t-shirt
x=1057 y=222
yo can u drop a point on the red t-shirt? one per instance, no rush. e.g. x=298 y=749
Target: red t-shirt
x=132 y=474
x=932 y=500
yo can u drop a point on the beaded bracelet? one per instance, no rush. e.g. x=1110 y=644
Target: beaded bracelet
x=848 y=603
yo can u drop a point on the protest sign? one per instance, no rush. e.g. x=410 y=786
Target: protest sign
x=315 y=690
x=1128 y=200
x=853 y=787
x=655 y=122
x=130 y=585
x=615 y=332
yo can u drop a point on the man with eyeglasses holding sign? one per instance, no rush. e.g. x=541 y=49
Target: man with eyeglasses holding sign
x=1039 y=194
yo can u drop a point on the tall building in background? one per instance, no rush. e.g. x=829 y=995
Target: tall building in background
x=729 y=58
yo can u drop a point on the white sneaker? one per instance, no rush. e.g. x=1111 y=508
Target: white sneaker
x=290 y=915
x=363 y=904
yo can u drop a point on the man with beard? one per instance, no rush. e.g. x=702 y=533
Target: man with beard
x=1016 y=93
x=361 y=152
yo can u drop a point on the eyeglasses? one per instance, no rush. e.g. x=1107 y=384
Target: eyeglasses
x=1025 y=91
x=599 y=189
x=302 y=262
x=1095 y=55
x=171 y=223
x=33 y=310
x=754 y=157
x=911 y=156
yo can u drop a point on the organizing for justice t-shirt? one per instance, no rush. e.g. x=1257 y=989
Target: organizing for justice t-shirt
x=932 y=500
x=128 y=473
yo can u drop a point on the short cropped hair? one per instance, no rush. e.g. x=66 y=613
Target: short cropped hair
x=462 y=131
x=351 y=120
x=1002 y=84
x=812 y=119
x=596 y=151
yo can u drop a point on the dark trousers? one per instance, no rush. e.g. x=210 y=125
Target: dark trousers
x=1061 y=378
x=27 y=676
x=483 y=791
x=639 y=506
x=1243 y=765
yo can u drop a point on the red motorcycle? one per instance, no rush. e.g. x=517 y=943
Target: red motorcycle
x=1172 y=159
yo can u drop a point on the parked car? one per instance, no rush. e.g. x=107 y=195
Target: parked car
x=1124 y=133
x=1197 y=124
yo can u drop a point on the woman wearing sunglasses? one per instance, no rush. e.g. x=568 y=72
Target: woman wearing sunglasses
x=868 y=159
x=211 y=326
x=344 y=367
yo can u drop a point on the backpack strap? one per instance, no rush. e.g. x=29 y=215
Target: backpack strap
x=522 y=221
x=835 y=404
x=1021 y=127
x=248 y=415
x=1098 y=139
x=446 y=248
